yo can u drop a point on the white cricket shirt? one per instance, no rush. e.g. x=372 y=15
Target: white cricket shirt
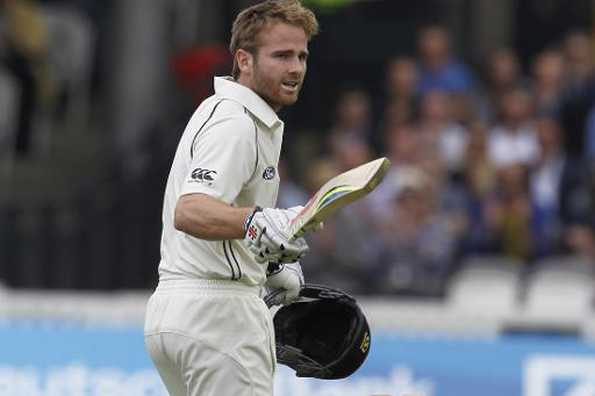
x=230 y=151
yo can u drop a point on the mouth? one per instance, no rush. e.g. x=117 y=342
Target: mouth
x=292 y=86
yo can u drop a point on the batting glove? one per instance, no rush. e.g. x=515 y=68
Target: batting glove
x=287 y=277
x=267 y=235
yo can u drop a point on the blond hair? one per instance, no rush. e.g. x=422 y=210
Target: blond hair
x=250 y=22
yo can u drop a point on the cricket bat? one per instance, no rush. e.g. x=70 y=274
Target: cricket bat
x=338 y=192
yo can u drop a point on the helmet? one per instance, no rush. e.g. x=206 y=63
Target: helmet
x=322 y=335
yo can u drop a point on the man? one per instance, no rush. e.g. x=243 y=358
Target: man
x=207 y=329
x=439 y=70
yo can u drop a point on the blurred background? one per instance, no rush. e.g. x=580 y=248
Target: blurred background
x=481 y=235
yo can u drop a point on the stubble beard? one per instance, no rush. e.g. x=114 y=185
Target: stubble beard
x=270 y=90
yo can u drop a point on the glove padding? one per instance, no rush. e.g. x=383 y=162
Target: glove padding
x=268 y=239
x=288 y=277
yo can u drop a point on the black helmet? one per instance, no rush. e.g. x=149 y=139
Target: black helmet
x=322 y=335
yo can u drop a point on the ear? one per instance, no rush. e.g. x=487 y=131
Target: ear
x=245 y=61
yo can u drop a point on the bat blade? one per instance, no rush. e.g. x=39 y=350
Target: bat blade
x=338 y=192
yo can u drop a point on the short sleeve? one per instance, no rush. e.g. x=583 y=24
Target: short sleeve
x=223 y=158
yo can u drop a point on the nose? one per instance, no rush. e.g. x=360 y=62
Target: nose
x=297 y=66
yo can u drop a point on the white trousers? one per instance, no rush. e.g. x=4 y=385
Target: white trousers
x=211 y=338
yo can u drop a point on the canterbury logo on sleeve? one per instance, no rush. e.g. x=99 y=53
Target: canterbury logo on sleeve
x=201 y=175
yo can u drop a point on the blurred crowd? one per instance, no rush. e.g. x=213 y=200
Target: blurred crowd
x=491 y=159
x=46 y=55
x=484 y=162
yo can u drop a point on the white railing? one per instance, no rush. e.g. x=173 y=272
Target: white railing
x=385 y=314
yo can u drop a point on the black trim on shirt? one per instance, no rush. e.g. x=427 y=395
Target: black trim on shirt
x=236 y=261
x=255 y=144
x=202 y=126
x=233 y=272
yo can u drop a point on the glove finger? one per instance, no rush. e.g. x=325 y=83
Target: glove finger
x=269 y=249
x=264 y=253
x=254 y=250
x=286 y=259
x=261 y=258
x=281 y=245
x=290 y=296
x=277 y=243
x=314 y=227
x=290 y=258
x=296 y=248
x=279 y=299
x=277 y=221
x=271 y=244
x=273 y=258
x=298 y=275
x=294 y=211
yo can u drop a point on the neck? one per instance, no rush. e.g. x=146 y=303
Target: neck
x=242 y=80
x=249 y=83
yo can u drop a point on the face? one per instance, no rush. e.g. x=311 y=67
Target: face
x=548 y=134
x=415 y=204
x=276 y=71
x=434 y=46
x=549 y=69
x=402 y=76
x=434 y=106
x=578 y=48
x=353 y=108
x=403 y=143
x=516 y=106
x=504 y=68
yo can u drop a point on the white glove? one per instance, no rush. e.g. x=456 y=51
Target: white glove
x=288 y=277
x=267 y=235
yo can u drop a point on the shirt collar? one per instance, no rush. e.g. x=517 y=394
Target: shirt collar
x=226 y=87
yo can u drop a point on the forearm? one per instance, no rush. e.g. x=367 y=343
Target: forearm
x=205 y=217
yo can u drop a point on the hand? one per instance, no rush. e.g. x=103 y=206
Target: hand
x=288 y=277
x=267 y=237
x=313 y=226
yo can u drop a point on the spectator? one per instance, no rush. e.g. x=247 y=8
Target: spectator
x=580 y=59
x=9 y=94
x=419 y=246
x=353 y=118
x=350 y=136
x=345 y=252
x=479 y=172
x=479 y=177
x=559 y=195
x=500 y=220
x=290 y=192
x=402 y=144
x=589 y=144
x=403 y=149
x=581 y=240
x=349 y=153
x=440 y=132
x=439 y=70
x=401 y=78
x=503 y=73
x=548 y=82
x=507 y=213
x=513 y=139
x=25 y=57
x=400 y=103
